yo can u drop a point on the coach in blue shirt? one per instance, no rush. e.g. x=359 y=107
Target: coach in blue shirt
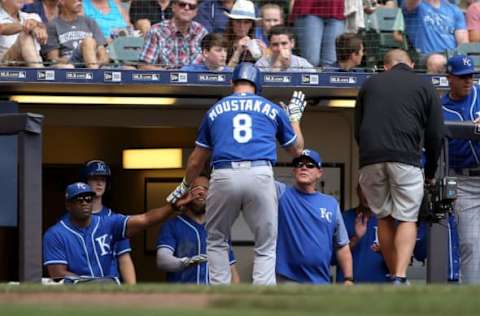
x=310 y=228
x=83 y=245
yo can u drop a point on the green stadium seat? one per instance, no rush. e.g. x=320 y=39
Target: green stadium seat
x=125 y=49
x=378 y=38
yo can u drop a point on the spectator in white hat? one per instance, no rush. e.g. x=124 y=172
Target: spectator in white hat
x=240 y=34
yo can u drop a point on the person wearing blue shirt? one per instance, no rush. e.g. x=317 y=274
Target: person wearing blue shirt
x=182 y=242
x=310 y=228
x=214 y=53
x=82 y=245
x=238 y=135
x=368 y=263
x=97 y=174
x=462 y=103
x=434 y=26
x=211 y=14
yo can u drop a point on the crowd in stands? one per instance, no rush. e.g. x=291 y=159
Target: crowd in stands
x=35 y=33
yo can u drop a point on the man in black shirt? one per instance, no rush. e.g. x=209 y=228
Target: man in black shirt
x=396 y=114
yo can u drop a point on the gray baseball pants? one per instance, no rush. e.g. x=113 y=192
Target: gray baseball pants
x=467 y=210
x=252 y=191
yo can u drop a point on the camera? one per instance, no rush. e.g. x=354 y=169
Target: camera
x=438 y=199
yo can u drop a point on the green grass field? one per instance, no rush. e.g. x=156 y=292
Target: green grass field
x=162 y=299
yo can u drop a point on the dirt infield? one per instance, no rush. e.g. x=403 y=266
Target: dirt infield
x=144 y=300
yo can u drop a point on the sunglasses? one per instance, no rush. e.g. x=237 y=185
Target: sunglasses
x=186 y=5
x=301 y=164
x=81 y=199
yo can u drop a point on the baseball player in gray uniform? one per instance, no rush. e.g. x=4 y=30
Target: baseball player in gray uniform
x=239 y=132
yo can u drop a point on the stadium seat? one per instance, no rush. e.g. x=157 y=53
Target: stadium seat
x=125 y=49
x=469 y=49
x=379 y=39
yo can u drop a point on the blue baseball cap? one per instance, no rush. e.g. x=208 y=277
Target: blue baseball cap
x=77 y=189
x=460 y=65
x=312 y=155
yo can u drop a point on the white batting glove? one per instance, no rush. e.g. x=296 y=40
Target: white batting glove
x=178 y=193
x=194 y=260
x=296 y=106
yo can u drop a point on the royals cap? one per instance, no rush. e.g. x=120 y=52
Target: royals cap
x=78 y=189
x=312 y=155
x=460 y=65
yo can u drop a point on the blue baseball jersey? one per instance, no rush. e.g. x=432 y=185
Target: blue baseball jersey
x=244 y=127
x=432 y=29
x=121 y=247
x=85 y=251
x=368 y=265
x=187 y=238
x=463 y=153
x=420 y=251
x=310 y=227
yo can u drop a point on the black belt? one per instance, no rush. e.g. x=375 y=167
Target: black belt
x=240 y=164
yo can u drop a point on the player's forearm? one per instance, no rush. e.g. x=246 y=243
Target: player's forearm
x=344 y=258
x=196 y=163
x=137 y=223
x=299 y=142
x=166 y=261
x=127 y=269
x=58 y=271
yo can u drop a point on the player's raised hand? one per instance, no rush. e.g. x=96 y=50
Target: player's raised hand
x=361 y=222
x=178 y=193
x=296 y=106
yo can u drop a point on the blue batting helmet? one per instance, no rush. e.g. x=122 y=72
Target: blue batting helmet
x=250 y=73
x=95 y=168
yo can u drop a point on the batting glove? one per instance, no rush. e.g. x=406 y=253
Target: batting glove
x=194 y=260
x=296 y=106
x=178 y=193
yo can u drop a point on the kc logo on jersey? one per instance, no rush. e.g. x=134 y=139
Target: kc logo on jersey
x=104 y=244
x=327 y=215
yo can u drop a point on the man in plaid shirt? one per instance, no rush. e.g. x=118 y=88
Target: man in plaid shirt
x=176 y=42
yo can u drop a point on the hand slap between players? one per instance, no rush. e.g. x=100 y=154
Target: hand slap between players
x=296 y=106
x=178 y=193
